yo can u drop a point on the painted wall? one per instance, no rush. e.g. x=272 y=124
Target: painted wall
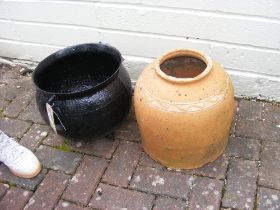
x=244 y=36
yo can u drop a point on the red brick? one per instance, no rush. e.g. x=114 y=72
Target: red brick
x=3 y=104
x=255 y=129
x=8 y=92
x=18 y=104
x=15 y=199
x=102 y=147
x=216 y=169
x=268 y=199
x=169 y=203
x=13 y=128
x=34 y=136
x=241 y=185
x=65 y=205
x=250 y=110
x=31 y=184
x=244 y=148
x=206 y=194
x=58 y=160
x=48 y=192
x=145 y=160
x=110 y=197
x=9 y=74
x=3 y=189
x=272 y=113
x=54 y=140
x=25 y=84
x=124 y=161
x=32 y=114
x=86 y=178
x=270 y=165
x=160 y=182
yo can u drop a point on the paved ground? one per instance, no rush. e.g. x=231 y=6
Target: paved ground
x=115 y=173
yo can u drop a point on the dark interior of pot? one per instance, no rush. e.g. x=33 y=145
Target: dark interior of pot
x=183 y=67
x=77 y=68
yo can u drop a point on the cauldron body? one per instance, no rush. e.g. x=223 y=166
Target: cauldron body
x=87 y=88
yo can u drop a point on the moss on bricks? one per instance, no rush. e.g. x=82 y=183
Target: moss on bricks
x=64 y=148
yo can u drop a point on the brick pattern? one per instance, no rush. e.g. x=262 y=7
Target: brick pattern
x=65 y=205
x=250 y=111
x=19 y=104
x=270 y=165
x=241 y=185
x=268 y=199
x=244 y=148
x=3 y=104
x=101 y=147
x=52 y=187
x=120 y=170
x=159 y=182
x=162 y=203
x=54 y=140
x=34 y=136
x=216 y=169
x=85 y=180
x=15 y=199
x=8 y=92
x=206 y=194
x=263 y=130
x=272 y=113
x=58 y=160
x=145 y=160
x=30 y=184
x=111 y=197
x=32 y=114
x=113 y=172
x=3 y=189
x=8 y=125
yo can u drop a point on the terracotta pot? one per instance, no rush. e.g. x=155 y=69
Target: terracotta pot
x=184 y=104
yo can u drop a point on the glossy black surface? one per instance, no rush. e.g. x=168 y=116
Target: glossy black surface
x=87 y=87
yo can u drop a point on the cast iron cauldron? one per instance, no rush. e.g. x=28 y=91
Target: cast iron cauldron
x=87 y=88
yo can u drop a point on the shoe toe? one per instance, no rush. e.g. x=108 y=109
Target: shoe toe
x=29 y=166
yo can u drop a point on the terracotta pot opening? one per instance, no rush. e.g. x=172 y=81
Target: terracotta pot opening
x=183 y=65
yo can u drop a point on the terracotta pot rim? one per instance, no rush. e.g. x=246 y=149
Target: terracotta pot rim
x=183 y=52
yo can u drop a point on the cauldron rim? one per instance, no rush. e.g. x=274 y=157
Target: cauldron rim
x=61 y=53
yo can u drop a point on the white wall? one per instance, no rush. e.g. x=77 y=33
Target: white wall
x=244 y=36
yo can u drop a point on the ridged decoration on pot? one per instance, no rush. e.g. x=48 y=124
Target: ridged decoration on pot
x=83 y=91
x=184 y=105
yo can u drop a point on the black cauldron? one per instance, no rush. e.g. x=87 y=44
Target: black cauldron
x=86 y=89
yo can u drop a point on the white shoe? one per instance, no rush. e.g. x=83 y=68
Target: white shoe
x=20 y=160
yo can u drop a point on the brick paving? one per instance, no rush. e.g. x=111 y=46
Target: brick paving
x=85 y=180
x=8 y=201
x=113 y=172
x=206 y=193
x=241 y=184
x=169 y=203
